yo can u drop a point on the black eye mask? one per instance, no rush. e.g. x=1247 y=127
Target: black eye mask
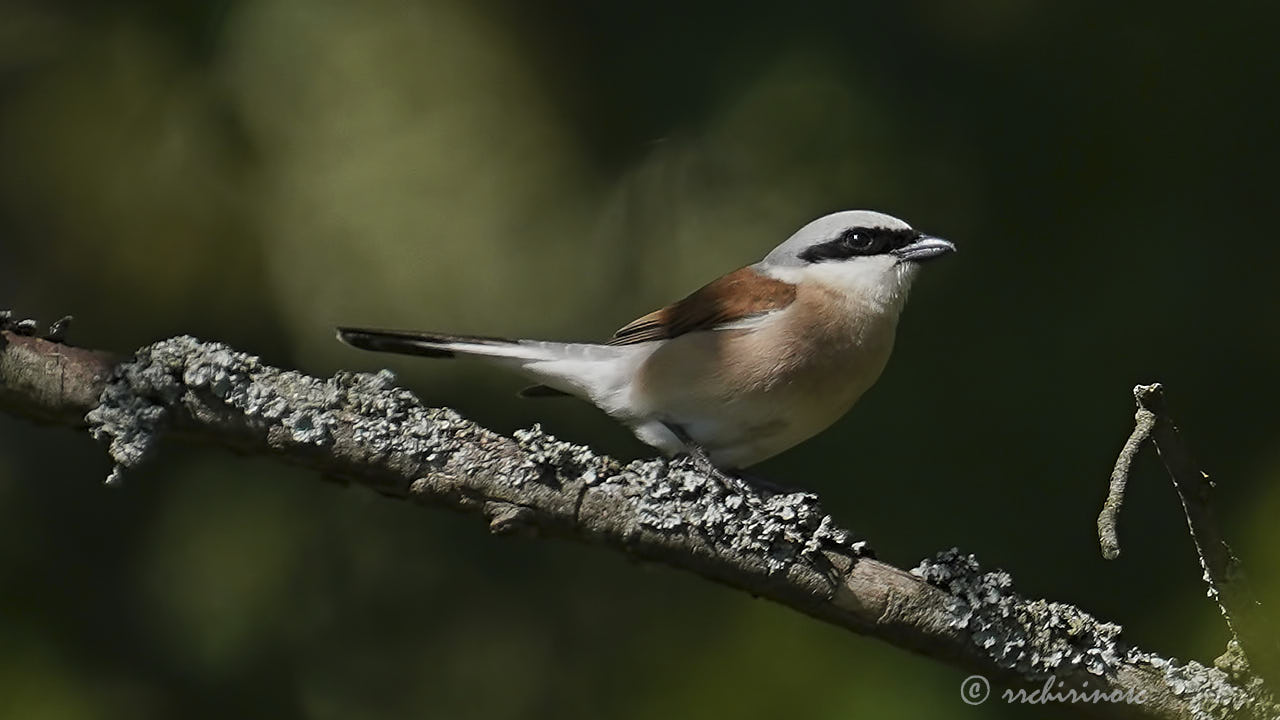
x=860 y=241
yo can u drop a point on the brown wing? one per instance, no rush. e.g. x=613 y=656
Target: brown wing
x=738 y=295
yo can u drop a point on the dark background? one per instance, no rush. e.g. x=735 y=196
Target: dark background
x=257 y=172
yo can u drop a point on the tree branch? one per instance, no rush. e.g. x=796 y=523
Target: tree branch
x=1228 y=586
x=782 y=546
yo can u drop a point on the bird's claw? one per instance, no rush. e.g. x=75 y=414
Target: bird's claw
x=732 y=483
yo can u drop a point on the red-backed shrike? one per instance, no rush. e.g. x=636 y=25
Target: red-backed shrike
x=746 y=367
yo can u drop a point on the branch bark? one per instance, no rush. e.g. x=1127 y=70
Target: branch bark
x=779 y=546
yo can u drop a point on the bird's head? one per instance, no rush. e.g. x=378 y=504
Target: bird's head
x=856 y=251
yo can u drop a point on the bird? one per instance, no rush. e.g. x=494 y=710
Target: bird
x=746 y=367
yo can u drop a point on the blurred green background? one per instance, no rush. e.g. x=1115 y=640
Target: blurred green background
x=257 y=172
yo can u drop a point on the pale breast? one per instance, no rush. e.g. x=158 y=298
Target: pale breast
x=745 y=395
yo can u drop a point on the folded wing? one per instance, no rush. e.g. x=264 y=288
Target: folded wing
x=734 y=298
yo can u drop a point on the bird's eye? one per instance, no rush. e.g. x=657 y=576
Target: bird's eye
x=850 y=243
x=862 y=242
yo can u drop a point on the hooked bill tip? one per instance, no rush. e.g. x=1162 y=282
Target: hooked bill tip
x=925 y=247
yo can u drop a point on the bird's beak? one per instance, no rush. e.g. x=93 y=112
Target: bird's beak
x=924 y=248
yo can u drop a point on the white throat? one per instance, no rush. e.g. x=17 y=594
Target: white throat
x=880 y=281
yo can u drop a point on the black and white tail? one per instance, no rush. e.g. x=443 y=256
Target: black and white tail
x=594 y=372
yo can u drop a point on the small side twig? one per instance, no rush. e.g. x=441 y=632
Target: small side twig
x=1143 y=421
x=1250 y=628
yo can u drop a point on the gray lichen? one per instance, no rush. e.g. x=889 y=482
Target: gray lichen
x=133 y=411
x=1210 y=692
x=781 y=529
x=544 y=453
x=1036 y=638
x=677 y=496
x=208 y=380
x=138 y=403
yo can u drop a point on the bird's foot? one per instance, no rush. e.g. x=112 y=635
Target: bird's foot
x=764 y=484
x=755 y=490
x=730 y=481
x=734 y=482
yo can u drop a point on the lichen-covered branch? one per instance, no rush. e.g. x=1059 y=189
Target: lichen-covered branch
x=1251 y=629
x=784 y=546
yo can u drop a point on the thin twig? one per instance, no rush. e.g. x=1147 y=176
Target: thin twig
x=1143 y=421
x=1228 y=586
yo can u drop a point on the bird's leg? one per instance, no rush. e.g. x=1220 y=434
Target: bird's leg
x=748 y=486
x=729 y=480
x=763 y=483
